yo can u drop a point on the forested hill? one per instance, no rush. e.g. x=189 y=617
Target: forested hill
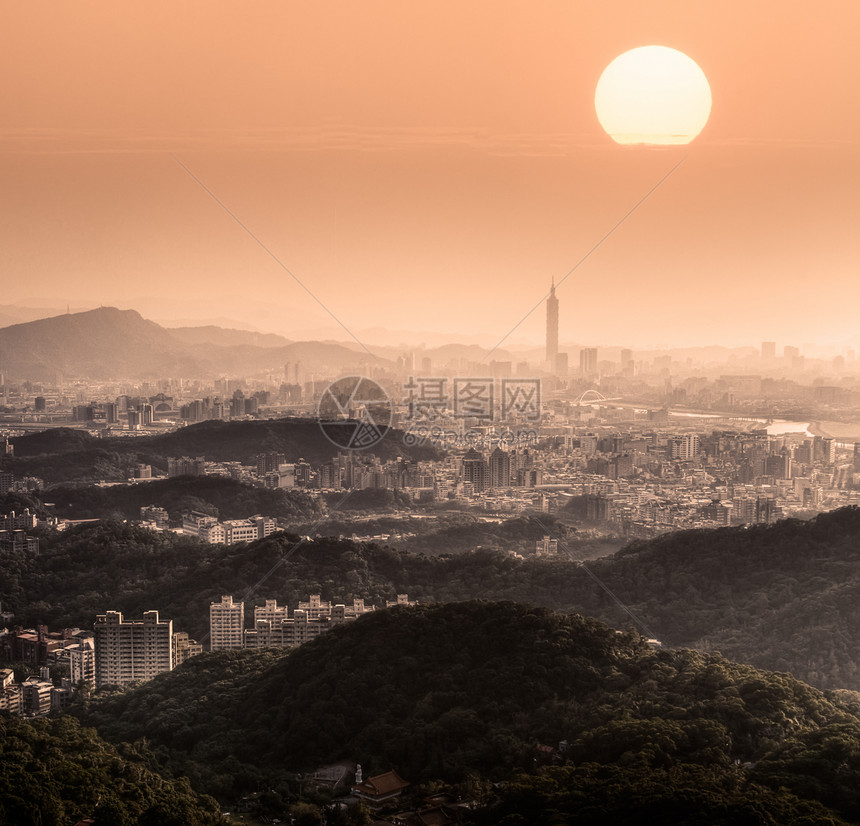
x=784 y=597
x=55 y=773
x=475 y=689
x=66 y=455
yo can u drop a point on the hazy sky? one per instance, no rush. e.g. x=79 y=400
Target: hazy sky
x=431 y=166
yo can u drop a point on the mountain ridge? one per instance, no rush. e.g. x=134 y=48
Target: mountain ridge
x=107 y=343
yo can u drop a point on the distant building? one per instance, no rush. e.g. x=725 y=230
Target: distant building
x=546 y=547
x=475 y=470
x=551 y=327
x=36 y=697
x=239 y=530
x=186 y=467
x=184 y=647
x=500 y=469
x=226 y=624
x=128 y=651
x=7 y=480
x=158 y=516
x=10 y=692
x=378 y=790
x=18 y=541
x=82 y=661
x=588 y=361
x=24 y=521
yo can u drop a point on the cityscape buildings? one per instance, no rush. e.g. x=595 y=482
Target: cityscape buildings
x=130 y=650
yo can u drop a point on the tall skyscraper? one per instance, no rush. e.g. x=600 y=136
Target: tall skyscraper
x=551 y=327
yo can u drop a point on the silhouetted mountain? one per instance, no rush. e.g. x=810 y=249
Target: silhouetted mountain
x=54 y=440
x=98 y=344
x=66 y=455
x=120 y=344
x=15 y=314
x=224 y=337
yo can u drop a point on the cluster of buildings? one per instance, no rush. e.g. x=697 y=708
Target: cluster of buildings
x=209 y=528
x=120 y=651
x=13 y=532
x=35 y=696
x=639 y=477
x=275 y=626
x=116 y=652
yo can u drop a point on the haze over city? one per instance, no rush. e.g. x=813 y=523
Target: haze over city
x=429 y=169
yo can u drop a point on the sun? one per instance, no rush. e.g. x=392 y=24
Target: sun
x=653 y=95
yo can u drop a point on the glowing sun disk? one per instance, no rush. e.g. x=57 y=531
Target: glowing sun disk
x=653 y=95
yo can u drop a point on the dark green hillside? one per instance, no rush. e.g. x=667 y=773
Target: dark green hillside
x=447 y=691
x=54 y=773
x=66 y=455
x=230 y=499
x=640 y=795
x=783 y=597
x=53 y=440
x=111 y=566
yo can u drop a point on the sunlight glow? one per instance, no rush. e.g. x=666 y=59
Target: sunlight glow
x=653 y=95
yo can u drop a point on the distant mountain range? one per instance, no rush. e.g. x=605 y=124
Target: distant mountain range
x=108 y=343
x=90 y=348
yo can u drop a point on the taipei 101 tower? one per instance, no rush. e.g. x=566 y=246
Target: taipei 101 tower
x=551 y=327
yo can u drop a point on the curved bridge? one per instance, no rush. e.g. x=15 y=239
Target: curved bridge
x=596 y=396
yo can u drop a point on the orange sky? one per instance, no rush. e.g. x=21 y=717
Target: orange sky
x=431 y=166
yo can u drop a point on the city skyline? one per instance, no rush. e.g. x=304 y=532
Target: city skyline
x=431 y=169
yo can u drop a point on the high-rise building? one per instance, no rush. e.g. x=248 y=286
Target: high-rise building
x=768 y=350
x=561 y=364
x=475 y=470
x=588 y=361
x=128 y=651
x=226 y=624
x=551 y=327
x=500 y=469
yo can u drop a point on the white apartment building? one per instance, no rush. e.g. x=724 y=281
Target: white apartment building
x=127 y=651
x=226 y=624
